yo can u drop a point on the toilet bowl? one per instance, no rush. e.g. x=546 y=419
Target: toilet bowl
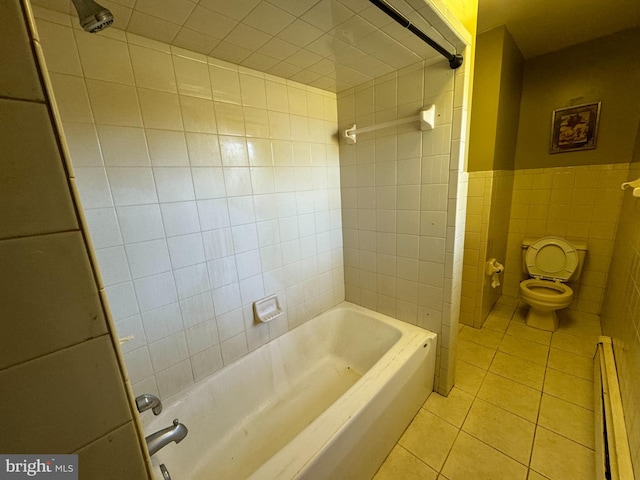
x=550 y=261
x=545 y=297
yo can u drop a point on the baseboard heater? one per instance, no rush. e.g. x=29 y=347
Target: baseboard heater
x=613 y=457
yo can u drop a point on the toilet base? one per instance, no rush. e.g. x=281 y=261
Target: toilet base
x=544 y=320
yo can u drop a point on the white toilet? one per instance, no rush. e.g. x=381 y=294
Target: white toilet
x=550 y=262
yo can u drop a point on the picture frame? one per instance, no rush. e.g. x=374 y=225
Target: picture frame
x=575 y=128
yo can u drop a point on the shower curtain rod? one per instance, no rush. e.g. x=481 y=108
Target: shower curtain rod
x=455 y=59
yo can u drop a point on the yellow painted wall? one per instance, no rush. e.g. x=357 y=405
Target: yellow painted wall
x=606 y=70
x=509 y=104
x=463 y=12
x=466 y=11
x=494 y=118
x=484 y=115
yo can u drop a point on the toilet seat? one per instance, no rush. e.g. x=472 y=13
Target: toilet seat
x=545 y=298
x=545 y=291
x=551 y=258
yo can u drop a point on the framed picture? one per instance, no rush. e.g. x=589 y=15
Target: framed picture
x=575 y=128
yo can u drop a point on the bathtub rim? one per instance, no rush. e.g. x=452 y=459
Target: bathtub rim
x=401 y=325
x=369 y=386
x=411 y=336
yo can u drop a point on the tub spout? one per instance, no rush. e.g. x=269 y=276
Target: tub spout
x=174 y=433
x=147 y=401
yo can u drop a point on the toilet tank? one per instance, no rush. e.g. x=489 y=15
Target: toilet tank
x=579 y=245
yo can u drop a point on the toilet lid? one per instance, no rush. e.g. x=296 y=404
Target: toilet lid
x=551 y=258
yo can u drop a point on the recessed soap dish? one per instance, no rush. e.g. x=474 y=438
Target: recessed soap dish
x=267 y=309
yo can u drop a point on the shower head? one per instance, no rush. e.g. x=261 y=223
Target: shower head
x=93 y=17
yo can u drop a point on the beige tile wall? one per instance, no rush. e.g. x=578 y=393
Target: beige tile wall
x=404 y=200
x=582 y=203
x=579 y=203
x=475 y=247
x=487 y=227
x=206 y=186
x=64 y=390
x=501 y=196
x=620 y=314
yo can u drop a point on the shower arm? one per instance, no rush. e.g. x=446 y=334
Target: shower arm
x=455 y=59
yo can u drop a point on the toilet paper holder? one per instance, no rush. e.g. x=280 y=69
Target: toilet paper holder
x=494 y=267
x=635 y=186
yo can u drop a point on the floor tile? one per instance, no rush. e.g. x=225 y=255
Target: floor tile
x=507 y=300
x=502 y=310
x=573 y=389
x=567 y=419
x=536 y=476
x=521 y=330
x=580 y=324
x=488 y=338
x=475 y=354
x=559 y=458
x=508 y=377
x=429 y=438
x=494 y=322
x=471 y=459
x=574 y=344
x=400 y=464
x=573 y=363
x=512 y=396
x=532 y=351
x=469 y=377
x=519 y=370
x=520 y=314
x=500 y=429
x=452 y=408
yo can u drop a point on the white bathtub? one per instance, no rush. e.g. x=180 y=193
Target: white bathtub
x=327 y=400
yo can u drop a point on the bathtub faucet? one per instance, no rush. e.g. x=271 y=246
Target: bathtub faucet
x=147 y=401
x=174 y=433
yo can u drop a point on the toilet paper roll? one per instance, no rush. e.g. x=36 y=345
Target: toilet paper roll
x=493 y=266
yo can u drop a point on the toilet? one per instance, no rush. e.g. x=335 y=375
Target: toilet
x=550 y=262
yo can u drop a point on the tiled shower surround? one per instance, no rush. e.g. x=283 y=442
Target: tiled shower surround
x=206 y=187
x=64 y=387
x=403 y=220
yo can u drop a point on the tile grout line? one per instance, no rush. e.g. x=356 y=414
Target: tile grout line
x=475 y=397
x=446 y=458
x=413 y=455
x=537 y=423
x=528 y=464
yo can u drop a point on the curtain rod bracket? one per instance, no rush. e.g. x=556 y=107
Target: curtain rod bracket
x=455 y=61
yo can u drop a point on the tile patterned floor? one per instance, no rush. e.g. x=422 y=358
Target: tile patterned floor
x=521 y=409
